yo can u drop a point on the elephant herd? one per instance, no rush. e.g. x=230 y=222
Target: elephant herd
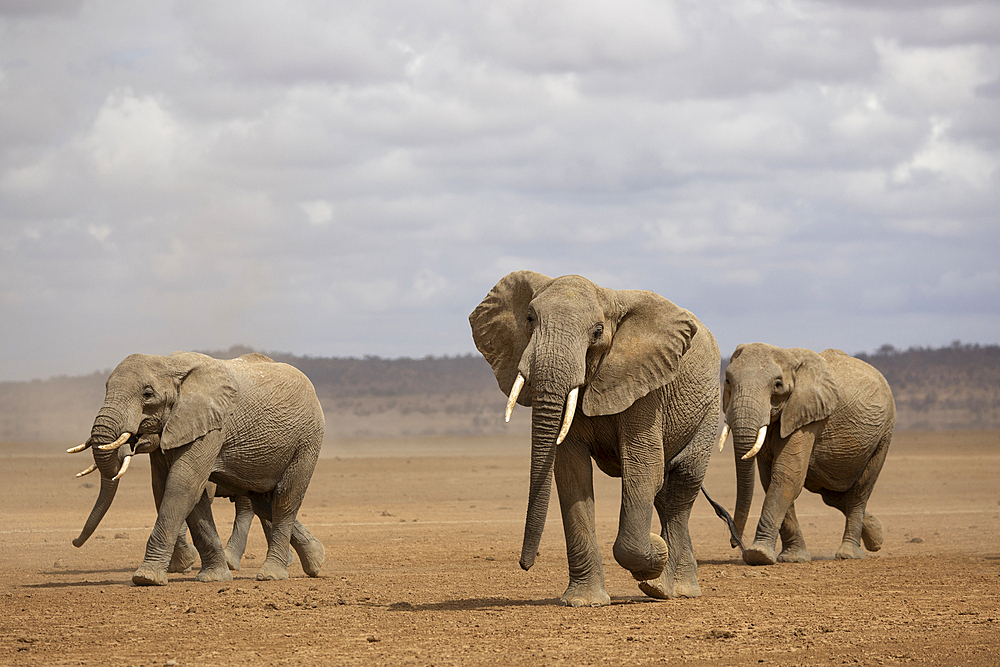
x=623 y=378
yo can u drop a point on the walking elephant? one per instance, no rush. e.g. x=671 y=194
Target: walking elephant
x=819 y=420
x=250 y=425
x=625 y=378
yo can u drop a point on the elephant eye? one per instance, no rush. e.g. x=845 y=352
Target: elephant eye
x=778 y=385
x=598 y=331
x=147 y=393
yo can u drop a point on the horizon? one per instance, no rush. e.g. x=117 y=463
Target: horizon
x=885 y=350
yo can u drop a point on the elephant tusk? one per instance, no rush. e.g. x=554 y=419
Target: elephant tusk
x=570 y=411
x=117 y=443
x=757 y=444
x=124 y=468
x=514 y=391
x=723 y=435
x=92 y=468
x=78 y=448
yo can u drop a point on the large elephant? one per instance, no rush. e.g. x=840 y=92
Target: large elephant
x=818 y=420
x=250 y=425
x=621 y=376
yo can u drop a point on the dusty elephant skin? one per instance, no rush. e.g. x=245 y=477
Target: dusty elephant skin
x=250 y=425
x=623 y=377
x=822 y=421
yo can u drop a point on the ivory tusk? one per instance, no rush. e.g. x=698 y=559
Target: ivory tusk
x=514 y=391
x=723 y=435
x=570 y=411
x=758 y=444
x=78 y=448
x=92 y=468
x=124 y=468
x=117 y=443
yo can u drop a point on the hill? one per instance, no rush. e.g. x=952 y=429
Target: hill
x=955 y=387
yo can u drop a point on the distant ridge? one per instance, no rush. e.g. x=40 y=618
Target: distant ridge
x=954 y=387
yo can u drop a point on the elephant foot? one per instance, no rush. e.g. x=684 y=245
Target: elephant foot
x=217 y=573
x=147 y=575
x=657 y=562
x=312 y=554
x=849 y=551
x=271 y=571
x=183 y=558
x=872 y=532
x=759 y=554
x=666 y=587
x=233 y=560
x=794 y=554
x=583 y=595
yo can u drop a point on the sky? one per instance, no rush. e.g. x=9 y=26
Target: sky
x=348 y=179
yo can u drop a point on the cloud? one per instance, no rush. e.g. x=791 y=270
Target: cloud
x=337 y=179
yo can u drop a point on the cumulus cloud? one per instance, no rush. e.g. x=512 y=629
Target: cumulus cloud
x=333 y=179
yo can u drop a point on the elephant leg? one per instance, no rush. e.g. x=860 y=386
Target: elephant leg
x=184 y=554
x=185 y=484
x=860 y=524
x=673 y=503
x=237 y=543
x=285 y=502
x=574 y=476
x=265 y=526
x=206 y=540
x=793 y=545
x=786 y=475
x=309 y=548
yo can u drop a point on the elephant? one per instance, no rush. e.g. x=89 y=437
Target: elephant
x=623 y=377
x=819 y=420
x=250 y=425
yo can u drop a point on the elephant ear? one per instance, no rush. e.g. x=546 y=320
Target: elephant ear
x=499 y=326
x=205 y=398
x=814 y=395
x=650 y=337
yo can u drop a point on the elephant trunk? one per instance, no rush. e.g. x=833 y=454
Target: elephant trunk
x=109 y=487
x=745 y=422
x=546 y=419
x=107 y=428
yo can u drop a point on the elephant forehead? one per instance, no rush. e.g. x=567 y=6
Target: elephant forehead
x=756 y=358
x=571 y=292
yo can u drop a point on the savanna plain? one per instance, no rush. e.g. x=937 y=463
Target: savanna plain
x=422 y=537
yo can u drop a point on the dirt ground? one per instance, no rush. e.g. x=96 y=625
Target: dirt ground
x=422 y=539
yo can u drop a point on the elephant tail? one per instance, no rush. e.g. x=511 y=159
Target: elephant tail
x=724 y=515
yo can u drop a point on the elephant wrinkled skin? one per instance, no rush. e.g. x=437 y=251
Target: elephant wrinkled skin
x=250 y=425
x=623 y=377
x=822 y=421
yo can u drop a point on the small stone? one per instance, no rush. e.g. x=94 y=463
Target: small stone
x=121 y=536
x=170 y=663
x=917 y=540
x=372 y=639
x=59 y=564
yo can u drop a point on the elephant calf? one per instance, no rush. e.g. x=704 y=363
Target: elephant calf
x=818 y=420
x=250 y=425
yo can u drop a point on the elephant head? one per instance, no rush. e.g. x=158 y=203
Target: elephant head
x=557 y=343
x=763 y=385
x=152 y=402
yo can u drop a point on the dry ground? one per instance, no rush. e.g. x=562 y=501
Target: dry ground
x=422 y=539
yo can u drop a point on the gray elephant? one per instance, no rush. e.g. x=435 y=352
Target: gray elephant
x=250 y=425
x=185 y=555
x=621 y=376
x=823 y=421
